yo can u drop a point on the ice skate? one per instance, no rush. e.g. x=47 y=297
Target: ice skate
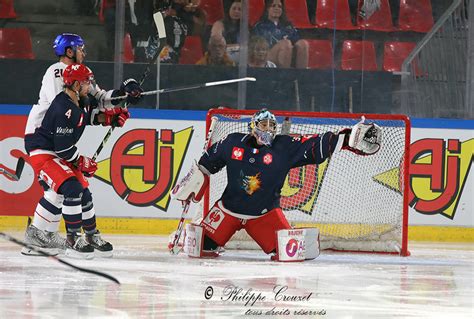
x=77 y=247
x=39 y=239
x=102 y=248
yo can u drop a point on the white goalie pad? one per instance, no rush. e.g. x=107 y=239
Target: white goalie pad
x=193 y=240
x=192 y=186
x=366 y=137
x=297 y=244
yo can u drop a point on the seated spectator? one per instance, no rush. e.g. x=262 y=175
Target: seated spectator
x=193 y=16
x=216 y=53
x=282 y=36
x=229 y=28
x=258 y=51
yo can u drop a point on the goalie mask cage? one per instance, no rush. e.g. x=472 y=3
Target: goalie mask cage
x=359 y=203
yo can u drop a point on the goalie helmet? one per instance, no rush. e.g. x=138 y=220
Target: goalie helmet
x=77 y=72
x=67 y=40
x=263 y=126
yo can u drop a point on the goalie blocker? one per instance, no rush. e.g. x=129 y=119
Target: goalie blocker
x=292 y=244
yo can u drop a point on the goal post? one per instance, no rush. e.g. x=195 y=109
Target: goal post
x=359 y=203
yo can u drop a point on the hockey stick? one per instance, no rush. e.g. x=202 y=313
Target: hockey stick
x=19 y=169
x=190 y=87
x=41 y=252
x=160 y=26
x=174 y=248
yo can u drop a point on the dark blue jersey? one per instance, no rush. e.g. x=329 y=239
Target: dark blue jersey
x=61 y=128
x=255 y=174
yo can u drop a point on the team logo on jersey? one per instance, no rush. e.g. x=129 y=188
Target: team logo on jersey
x=250 y=184
x=214 y=219
x=237 y=153
x=268 y=159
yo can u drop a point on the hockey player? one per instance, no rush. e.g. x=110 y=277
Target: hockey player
x=70 y=48
x=56 y=159
x=257 y=164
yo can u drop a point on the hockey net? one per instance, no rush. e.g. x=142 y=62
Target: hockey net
x=359 y=203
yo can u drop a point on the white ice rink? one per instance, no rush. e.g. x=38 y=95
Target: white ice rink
x=436 y=281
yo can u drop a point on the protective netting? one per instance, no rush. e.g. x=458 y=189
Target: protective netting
x=356 y=201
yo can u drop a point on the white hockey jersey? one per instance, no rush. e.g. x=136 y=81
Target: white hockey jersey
x=51 y=86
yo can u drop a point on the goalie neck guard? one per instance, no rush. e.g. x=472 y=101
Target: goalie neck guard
x=263 y=126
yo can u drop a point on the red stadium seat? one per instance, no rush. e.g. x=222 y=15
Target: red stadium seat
x=214 y=10
x=325 y=15
x=128 y=55
x=380 y=20
x=395 y=53
x=7 y=11
x=256 y=8
x=358 y=55
x=297 y=13
x=415 y=15
x=191 y=51
x=320 y=54
x=16 y=44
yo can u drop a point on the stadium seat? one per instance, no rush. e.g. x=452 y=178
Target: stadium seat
x=415 y=15
x=128 y=55
x=214 y=10
x=395 y=53
x=325 y=15
x=7 y=11
x=256 y=8
x=380 y=20
x=358 y=55
x=297 y=13
x=16 y=44
x=191 y=51
x=320 y=54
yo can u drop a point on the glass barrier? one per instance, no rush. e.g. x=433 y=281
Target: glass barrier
x=306 y=55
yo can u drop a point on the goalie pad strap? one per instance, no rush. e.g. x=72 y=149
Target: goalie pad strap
x=297 y=244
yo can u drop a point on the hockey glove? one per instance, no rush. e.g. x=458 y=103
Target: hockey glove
x=132 y=89
x=115 y=117
x=86 y=165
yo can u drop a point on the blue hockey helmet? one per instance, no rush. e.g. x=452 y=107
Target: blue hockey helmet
x=263 y=136
x=66 y=40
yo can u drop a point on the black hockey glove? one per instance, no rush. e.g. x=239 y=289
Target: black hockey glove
x=132 y=89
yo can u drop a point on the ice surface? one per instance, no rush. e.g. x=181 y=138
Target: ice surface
x=435 y=281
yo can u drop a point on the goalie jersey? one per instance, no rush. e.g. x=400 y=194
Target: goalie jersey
x=61 y=128
x=255 y=174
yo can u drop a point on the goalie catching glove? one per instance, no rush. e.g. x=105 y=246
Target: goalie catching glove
x=193 y=185
x=362 y=139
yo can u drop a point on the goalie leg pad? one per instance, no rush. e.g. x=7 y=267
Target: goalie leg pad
x=263 y=229
x=194 y=243
x=297 y=244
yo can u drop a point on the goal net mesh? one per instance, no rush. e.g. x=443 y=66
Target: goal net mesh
x=356 y=201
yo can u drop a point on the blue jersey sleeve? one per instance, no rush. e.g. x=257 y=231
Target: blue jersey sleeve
x=213 y=159
x=313 y=149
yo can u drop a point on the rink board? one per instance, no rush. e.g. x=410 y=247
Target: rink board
x=136 y=200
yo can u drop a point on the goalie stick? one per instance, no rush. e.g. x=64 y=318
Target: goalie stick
x=160 y=26
x=19 y=169
x=190 y=87
x=174 y=248
x=41 y=252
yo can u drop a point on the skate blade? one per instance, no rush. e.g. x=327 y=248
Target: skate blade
x=71 y=253
x=30 y=252
x=103 y=254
